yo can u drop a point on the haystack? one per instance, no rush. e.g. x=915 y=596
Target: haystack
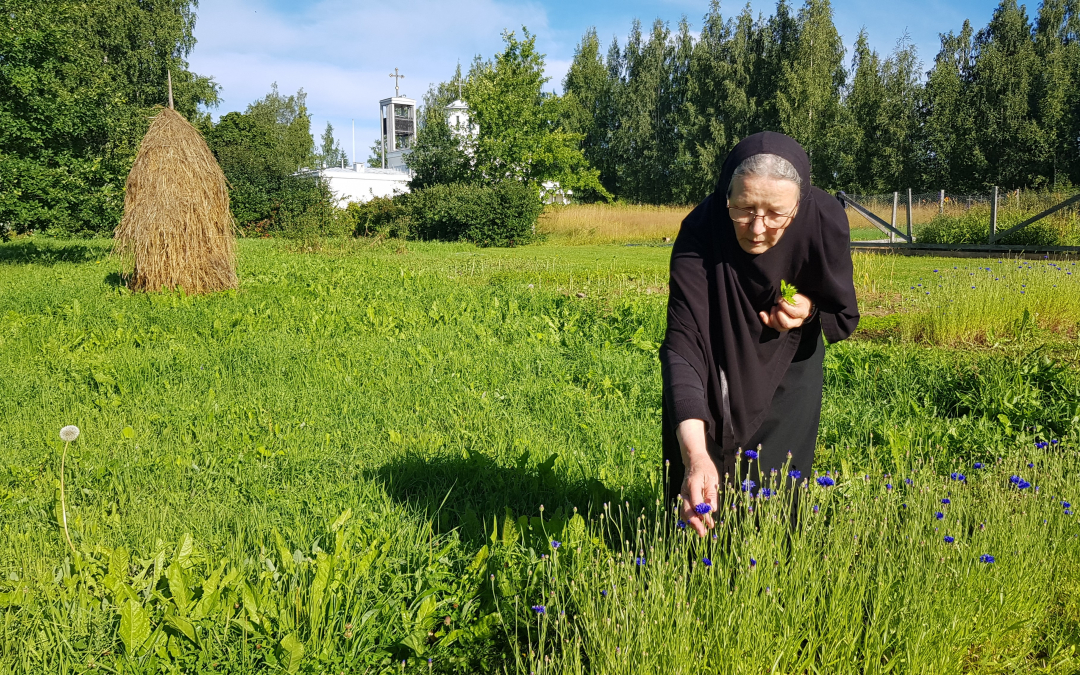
x=177 y=230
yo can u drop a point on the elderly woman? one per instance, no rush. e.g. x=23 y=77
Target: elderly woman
x=742 y=366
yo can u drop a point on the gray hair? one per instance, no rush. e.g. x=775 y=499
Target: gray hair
x=769 y=166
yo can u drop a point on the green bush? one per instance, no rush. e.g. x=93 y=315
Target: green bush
x=974 y=228
x=503 y=215
x=377 y=216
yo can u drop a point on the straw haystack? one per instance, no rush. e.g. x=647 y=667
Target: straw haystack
x=177 y=230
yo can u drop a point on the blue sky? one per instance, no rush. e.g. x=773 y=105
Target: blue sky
x=342 y=52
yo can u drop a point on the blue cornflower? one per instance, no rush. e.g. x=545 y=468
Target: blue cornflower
x=984 y=558
x=909 y=481
x=1039 y=445
x=1054 y=441
x=949 y=540
x=816 y=508
x=766 y=493
x=640 y=561
x=681 y=525
x=825 y=481
x=1031 y=465
x=939 y=515
x=955 y=475
x=1023 y=484
x=702 y=509
x=1066 y=505
x=603 y=594
x=706 y=562
x=751 y=454
x=794 y=474
x=555 y=544
x=753 y=563
x=978 y=465
x=888 y=486
x=539 y=609
x=1068 y=512
x=1015 y=480
x=946 y=501
x=748 y=485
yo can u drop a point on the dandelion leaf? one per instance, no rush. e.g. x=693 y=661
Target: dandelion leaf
x=134 y=626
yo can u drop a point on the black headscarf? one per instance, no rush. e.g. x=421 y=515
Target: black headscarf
x=717 y=290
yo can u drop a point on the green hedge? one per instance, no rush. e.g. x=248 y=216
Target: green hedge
x=503 y=215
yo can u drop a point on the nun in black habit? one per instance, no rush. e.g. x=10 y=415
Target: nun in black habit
x=741 y=366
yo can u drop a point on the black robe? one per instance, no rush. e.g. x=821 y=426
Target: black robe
x=714 y=331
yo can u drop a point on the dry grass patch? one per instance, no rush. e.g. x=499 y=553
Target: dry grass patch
x=611 y=223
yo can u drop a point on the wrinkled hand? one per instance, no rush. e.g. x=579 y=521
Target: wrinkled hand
x=784 y=316
x=700 y=487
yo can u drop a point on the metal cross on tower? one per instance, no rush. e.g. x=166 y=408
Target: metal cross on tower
x=397 y=77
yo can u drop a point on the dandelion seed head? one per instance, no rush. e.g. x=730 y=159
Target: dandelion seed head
x=69 y=433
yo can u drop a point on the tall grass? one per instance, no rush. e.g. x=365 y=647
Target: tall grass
x=915 y=572
x=1001 y=299
x=611 y=223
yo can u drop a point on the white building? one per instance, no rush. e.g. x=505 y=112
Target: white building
x=397 y=118
x=360 y=183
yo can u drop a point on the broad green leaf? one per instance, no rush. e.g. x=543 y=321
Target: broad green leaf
x=129 y=433
x=292 y=652
x=134 y=626
x=178 y=587
x=341 y=520
x=424 y=614
x=183 y=552
x=183 y=626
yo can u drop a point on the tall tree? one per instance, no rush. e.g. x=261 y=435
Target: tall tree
x=950 y=154
x=1003 y=89
x=1057 y=89
x=330 y=152
x=895 y=165
x=589 y=90
x=863 y=104
x=441 y=154
x=78 y=84
x=520 y=137
x=809 y=98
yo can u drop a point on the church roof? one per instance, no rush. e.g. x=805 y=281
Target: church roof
x=458 y=104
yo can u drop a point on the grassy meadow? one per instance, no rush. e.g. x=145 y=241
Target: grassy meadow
x=387 y=457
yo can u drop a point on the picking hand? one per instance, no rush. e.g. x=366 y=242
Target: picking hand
x=699 y=487
x=784 y=316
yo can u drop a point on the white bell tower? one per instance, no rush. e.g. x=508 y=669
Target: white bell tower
x=397 y=116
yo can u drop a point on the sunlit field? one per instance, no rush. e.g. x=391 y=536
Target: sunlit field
x=390 y=456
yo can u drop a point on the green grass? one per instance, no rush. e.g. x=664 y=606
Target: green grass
x=457 y=404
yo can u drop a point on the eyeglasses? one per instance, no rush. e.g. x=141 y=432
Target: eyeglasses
x=770 y=219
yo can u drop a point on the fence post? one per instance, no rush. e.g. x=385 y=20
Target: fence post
x=993 y=216
x=909 y=215
x=895 y=201
x=941 y=203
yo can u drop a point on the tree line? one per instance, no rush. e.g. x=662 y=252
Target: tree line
x=999 y=106
x=79 y=83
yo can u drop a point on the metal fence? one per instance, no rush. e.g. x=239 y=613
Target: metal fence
x=1017 y=205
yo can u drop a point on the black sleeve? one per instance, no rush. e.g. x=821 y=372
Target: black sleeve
x=836 y=303
x=684 y=392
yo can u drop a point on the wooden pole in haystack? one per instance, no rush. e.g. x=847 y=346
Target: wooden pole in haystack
x=177 y=231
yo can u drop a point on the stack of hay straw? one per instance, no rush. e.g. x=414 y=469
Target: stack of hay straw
x=177 y=231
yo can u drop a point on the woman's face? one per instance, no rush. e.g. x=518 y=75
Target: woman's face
x=775 y=199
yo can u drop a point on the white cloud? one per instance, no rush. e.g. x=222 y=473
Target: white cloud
x=342 y=52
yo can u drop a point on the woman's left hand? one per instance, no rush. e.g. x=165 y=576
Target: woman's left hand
x=785 y=316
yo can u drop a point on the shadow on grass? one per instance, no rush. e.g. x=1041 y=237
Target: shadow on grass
x=30 y=252
x=472 y=491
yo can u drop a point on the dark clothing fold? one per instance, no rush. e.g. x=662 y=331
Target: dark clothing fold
x=720 y=363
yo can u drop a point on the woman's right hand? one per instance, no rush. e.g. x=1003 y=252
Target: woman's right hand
x=701 y=480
